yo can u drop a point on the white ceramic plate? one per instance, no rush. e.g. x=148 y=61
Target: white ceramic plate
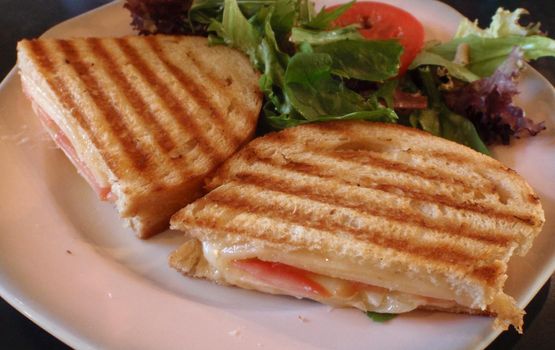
x=67 y=263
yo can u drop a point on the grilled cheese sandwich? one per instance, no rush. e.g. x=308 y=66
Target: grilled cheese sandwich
x=374 y=216
x=144 y=119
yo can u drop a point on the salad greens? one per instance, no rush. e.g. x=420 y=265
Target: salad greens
x=428 y=58
x=488 y=48
x=488 y=102
x=486 y=54
x=318 y=37
x=441 y=121
x=503 y=23
x=380 y=317
x=324 y=18
x=315 y=94
x=311 y=71
x=308 y=86
x=489 y=61
x=352 y=58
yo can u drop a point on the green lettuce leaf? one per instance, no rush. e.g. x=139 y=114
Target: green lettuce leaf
x=324 y=18
x=274 y=62
x=319 y=37
x=204 y=11
x=380 y=317
x=427 y=58
x=427 y=120
x=486 y=54
x=284 y=15
x=236 y=31
x=449 y=125
x=317 y=96
x=488 y=48
x=386 y=92
x=364 y=59
x=457 y=128
x=441 y=121
x=305 y=11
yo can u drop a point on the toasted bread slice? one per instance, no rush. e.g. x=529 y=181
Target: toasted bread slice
x=365 y=209
x=145 y=119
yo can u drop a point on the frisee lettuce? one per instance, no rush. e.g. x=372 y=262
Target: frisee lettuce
x=486 y=54
x=489 y=47
x=503 y=23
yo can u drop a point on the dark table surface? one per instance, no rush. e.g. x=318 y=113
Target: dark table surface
x=30 y=18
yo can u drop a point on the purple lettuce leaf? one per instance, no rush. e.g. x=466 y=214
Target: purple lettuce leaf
x=159 y=16
x=488 y=103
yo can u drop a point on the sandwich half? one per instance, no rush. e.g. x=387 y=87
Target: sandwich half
x=375 y=216
x=144 y=119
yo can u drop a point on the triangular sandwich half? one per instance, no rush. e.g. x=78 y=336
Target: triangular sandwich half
x=144 y=119
x=375 y=216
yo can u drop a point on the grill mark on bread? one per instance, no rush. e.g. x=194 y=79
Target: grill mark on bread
x=221 y=84
x=40 y=57
x=437 y=252
x=169 y=100
x=394 y=188
x=373 y=158
x=58 y=86
x=103 y=149
x=110 y=113
x=460 y=157
x=533 y=199
x=489 y=273
x=270 y=183
x=203 y=99
x=367 y=158
x=142 y=110
x=338 y=131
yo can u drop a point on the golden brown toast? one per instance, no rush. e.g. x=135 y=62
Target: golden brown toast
x=148 y=117
x=378 y=204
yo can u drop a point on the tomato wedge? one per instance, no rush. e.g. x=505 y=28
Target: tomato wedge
x=384 y=21
x=283 y=277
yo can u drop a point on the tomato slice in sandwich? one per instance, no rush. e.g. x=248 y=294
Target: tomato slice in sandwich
x=384 y=21
x=283 y=277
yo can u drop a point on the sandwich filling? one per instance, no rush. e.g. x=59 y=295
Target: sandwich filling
x=242 y=267
x=62 y=141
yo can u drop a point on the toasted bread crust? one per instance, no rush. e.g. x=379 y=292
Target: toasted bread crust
x=138 y=111
x=189 y=260
x=381 y=196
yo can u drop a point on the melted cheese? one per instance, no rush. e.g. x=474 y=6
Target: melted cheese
x=342 y=293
